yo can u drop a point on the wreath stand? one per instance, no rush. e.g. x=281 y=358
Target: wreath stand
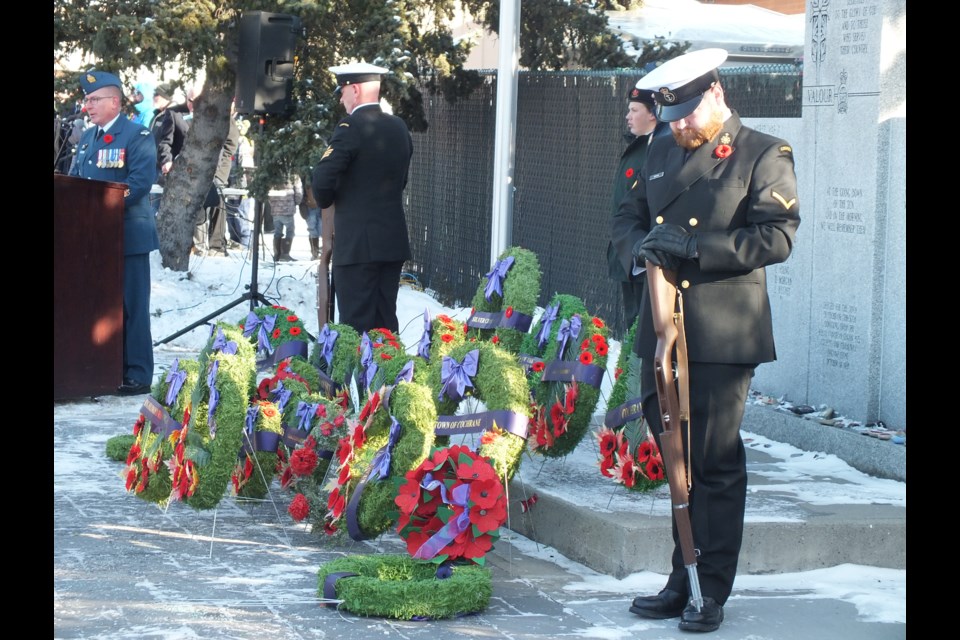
x=269 y=498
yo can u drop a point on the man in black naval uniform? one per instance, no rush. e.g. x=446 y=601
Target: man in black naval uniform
x=362 y=174
x=716 y=203
x=119 y=150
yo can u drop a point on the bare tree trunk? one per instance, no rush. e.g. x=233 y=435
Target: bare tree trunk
x=190 y=179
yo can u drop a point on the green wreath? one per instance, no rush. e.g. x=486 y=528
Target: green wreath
x=628 y=452
x=304 y=469
x=342 y=343
x=501 y=385
x=520 y=292
x=118 y=447
x=228 y=361
x=412 y=406
x=147 y=474
x=397 y=586
x=255 y=468
x=276 y=332
x=387 y=357
x=563 y=410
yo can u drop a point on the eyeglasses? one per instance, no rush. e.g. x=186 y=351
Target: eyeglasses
x=95 y=99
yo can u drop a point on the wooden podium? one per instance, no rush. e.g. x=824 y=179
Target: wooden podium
x=87 y=287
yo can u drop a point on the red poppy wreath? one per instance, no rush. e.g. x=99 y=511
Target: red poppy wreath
x=451 y=507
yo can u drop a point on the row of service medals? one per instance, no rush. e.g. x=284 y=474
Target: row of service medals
x=111 y=158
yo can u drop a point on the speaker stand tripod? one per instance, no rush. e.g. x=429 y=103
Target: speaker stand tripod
x=252 y=294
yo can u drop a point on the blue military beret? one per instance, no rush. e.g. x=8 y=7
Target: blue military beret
x=93 y=80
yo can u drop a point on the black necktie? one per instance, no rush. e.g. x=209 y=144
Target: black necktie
x=99 y=133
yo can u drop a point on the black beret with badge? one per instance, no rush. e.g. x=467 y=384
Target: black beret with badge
x=643 y=96
x=678 y=84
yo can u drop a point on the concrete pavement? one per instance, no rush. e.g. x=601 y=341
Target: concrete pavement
x=124 y=568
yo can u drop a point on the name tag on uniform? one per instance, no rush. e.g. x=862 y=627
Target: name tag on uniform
x=655 y=176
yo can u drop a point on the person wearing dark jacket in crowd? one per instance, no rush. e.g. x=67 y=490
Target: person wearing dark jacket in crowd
x=168 y=127
x=643 y=128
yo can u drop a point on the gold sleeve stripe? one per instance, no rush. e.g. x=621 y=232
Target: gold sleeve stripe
x=786 y=203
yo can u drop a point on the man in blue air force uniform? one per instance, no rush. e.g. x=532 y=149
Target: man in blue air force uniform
x=119 y=150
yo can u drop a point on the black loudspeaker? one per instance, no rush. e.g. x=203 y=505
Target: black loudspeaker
x=265 y=66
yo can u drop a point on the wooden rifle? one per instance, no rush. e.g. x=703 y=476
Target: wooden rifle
x=674 y=397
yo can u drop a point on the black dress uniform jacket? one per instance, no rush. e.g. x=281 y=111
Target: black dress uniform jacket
x=363 y=172
x=745 y=212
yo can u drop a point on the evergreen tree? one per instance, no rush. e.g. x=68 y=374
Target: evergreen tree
x=409 y=37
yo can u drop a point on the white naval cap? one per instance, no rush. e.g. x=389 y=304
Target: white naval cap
x=679 y=83
x=355 y=72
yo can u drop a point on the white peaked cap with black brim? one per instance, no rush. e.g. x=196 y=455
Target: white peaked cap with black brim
x=356 y=72
x=679 y=83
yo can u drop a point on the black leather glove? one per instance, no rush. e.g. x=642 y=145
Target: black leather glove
x=662 y=259
x=671 y=239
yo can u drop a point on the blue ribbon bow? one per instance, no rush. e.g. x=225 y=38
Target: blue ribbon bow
x=495 y=277
x=569 y=330
x=251 y=419
x=423 y=349
x=281 y=396
x=214 y=398
x=265 y=327
x=366 y=361
x=380 y=466
x=305 y=413
x=457 y=376
x=176 y=377
x=220 y=343
x=460 y=496
x=327 y=340
x=406 y=373
x=546 y=323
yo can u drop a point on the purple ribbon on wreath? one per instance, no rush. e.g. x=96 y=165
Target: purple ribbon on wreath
x=251 y=419
x=380 y=466
x=175 y=377
x=457 y=376
x=263 y=328
x=220 y=343
x=214 y=398
x=366 y=361
x=460 y=496
x=496 y=276
x=327 y=340
x=406 y=373
x=305 y=413
x=281 y=396
x=546 y=323
x=423 y=349
x=569 y=330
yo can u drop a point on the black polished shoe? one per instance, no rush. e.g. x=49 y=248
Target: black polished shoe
x=132 y=388
x=707 y=619
x=666 y=604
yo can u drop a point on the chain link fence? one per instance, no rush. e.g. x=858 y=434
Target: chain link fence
x=569 y=137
